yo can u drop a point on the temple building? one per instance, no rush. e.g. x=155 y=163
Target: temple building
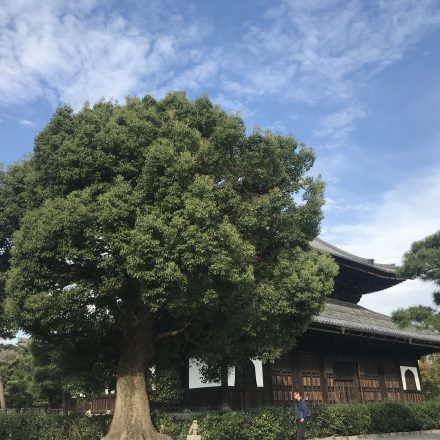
x=347 y=354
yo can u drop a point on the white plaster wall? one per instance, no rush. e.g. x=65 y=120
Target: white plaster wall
x=195 y=377
x=231 y=377
x=258 y=372
x=403 y=370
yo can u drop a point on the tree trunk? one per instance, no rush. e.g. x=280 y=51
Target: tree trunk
x=131 y=419
x=64 y=403
x=2 y=395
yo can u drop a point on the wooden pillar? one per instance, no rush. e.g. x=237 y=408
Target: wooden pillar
x=184 y=378
x=358 y=375
x=226 y=403
x=323 y=380
x=267 y=383
x=399 y=376
x=356 y=382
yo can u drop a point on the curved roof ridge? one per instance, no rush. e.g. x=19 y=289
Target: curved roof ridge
x=318 y=243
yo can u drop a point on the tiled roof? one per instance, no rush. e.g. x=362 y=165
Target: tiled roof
x=317 y=243
x=354 y=317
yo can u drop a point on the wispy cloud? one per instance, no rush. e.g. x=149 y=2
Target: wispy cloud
x=406 y=213
x=328 y=43
x=70 y=52
x=328 y=51
x=298 y=51
x=25 y=122
x=338 y=125
x=340 y=206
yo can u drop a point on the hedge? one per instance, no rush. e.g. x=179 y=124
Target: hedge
x=254 y=424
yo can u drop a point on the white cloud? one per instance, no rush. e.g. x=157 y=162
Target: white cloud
x=328 y=51
x=339 y=125
x=74 y=52
x=409 y=293
x=340 y=205
x=233 y=105
x=25 y=122
x=406 y=213
x=299 y=51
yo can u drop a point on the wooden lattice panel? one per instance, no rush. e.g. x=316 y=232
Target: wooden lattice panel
x=392 y=383
x=414 y=396
x=344 y=373
x=311 y=377
x=330 y=382
x=369 y=381
x=282 y=382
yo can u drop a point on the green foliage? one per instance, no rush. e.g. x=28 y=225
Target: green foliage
x=327 y=420
x=165 y=424
x=16 y=196
x=17 y=373
x=164 y=385
x=28 y=426
x=422 y=261
x=419 y=316
x=340 y=419
x=165 y=206
x=256 y=424
x=270 y=424
x=30 y=378
x=430 y=372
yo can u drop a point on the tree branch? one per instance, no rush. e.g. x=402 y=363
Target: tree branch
x=171 y=333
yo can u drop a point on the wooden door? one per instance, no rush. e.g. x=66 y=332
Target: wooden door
x=345 y=381
x=282 y=381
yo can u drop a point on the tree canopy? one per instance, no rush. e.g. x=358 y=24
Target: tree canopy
x=138 y=232
x=29 y=379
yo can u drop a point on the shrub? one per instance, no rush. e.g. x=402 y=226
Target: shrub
x=253 y=424
x=28 y=426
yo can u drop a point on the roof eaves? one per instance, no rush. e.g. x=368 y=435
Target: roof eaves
x=320 y=244
x=373 y=329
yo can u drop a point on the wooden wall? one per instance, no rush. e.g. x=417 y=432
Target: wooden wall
x=327 y=368
x=339 y=379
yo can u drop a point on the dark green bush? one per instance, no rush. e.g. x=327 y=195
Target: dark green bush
x=255 y=424
x=28 y=426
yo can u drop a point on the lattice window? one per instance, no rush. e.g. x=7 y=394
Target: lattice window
x=392 y=383
x=330 y=382
x=414 y=396
x=311 y=377
x=410 y=381
x=282 y=385
x=245 y=376
x=369 y=381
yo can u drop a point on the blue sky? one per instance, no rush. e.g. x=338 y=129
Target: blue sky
x=359 y=81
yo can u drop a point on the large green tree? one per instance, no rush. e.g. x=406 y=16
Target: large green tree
x=155 y=228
